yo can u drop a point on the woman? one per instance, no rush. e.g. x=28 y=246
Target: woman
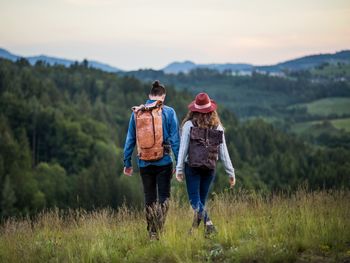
x=202 y=143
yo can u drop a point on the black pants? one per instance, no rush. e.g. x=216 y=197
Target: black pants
x=156 y=187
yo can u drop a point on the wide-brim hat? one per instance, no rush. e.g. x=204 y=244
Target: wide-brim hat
x=202 y=104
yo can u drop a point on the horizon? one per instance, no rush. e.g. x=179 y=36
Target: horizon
x=171 y=62
x=153 y=35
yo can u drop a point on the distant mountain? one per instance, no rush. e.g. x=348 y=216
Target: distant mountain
x=177 y=67
x=53 y=60
x=302 y=63
x=306 y=62
x=7 y=55
x=186 y=66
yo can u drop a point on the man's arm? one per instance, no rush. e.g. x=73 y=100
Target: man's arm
x=174 y=137
x=130 y=142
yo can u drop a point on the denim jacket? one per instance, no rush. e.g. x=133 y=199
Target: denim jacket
x=170 y=136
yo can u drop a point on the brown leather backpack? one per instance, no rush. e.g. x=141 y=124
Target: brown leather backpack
x=149 y=131
x=204 y=147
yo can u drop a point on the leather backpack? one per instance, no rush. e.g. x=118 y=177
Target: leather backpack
x=149 y=131
x=204 y=146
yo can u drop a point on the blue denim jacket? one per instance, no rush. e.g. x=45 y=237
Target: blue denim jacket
x=170 y=136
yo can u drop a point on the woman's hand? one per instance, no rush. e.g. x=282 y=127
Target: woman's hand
x=232 y=182
x=179 y=177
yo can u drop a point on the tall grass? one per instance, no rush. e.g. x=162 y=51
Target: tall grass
x=303 y=227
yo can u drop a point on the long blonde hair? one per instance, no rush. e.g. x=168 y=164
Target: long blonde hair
x=203 y=120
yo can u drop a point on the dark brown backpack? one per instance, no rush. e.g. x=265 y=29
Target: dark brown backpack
x=204 y=147
x=149 y=131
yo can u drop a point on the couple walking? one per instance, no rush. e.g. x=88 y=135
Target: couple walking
x=154 y=129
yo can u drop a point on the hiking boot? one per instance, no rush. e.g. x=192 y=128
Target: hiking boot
x=197 y=219
x=153 y=236
x=195 y=223
x=209 y=230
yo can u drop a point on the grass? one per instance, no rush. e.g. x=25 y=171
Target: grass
x=332 y=71
x=342 y=124
x=302 y=127
x=305 y=227
x=312 y=126
x=325 y=107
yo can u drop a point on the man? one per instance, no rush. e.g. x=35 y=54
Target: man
x=155 y=162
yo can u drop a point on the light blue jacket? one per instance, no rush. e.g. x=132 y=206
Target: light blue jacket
x=170 y=136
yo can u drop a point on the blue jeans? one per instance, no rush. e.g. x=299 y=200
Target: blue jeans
x=198 y=182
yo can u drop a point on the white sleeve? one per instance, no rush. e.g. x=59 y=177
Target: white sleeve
x=224 y=155
x=184 y=143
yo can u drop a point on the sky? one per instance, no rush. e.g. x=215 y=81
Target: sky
x=133 y=34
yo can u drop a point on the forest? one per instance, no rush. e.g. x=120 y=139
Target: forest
x=311 y=103
x=259 y=94
x=62 y=131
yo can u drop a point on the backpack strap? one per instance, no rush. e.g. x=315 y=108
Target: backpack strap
x=148 y=107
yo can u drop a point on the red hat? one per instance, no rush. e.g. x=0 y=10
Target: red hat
x=202 y=104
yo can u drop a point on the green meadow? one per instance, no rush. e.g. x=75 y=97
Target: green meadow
x=327 y=106
x=302 y=227
x=342 y=124
x=313 y=126
x=332 y=71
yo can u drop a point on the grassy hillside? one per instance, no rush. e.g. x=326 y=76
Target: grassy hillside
x=303 y=127
x=325 y=107
x=332 y=71
x=308 y=126
x=342 y=124
x=305 y=227
x=62 y=131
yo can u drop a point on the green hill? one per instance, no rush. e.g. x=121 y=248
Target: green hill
x=62 y=132
x=337 y=71
x=325 y=107
x=310 y=62
x=342 y=124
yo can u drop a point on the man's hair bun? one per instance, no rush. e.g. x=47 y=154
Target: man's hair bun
x=157 y=89
x=156 y=84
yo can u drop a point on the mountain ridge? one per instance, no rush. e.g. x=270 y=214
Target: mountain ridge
x=51 y=60
x=301 y=63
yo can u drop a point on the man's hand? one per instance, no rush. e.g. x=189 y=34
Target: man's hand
x=232 y=182
x=128 y=171
x=179 y=177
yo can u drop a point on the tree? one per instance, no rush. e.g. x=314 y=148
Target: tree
x=8 y=199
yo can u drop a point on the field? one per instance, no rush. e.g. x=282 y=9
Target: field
x=310 y=126
x=332 y=71
x=342 y=124
x=325 y=107
x=304 y=227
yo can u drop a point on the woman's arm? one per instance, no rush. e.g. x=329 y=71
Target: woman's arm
x=224 y=155
x=184 y=143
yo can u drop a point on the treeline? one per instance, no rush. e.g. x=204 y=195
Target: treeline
x=62 y=132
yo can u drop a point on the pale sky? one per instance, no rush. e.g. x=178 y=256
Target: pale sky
x=133 y=34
